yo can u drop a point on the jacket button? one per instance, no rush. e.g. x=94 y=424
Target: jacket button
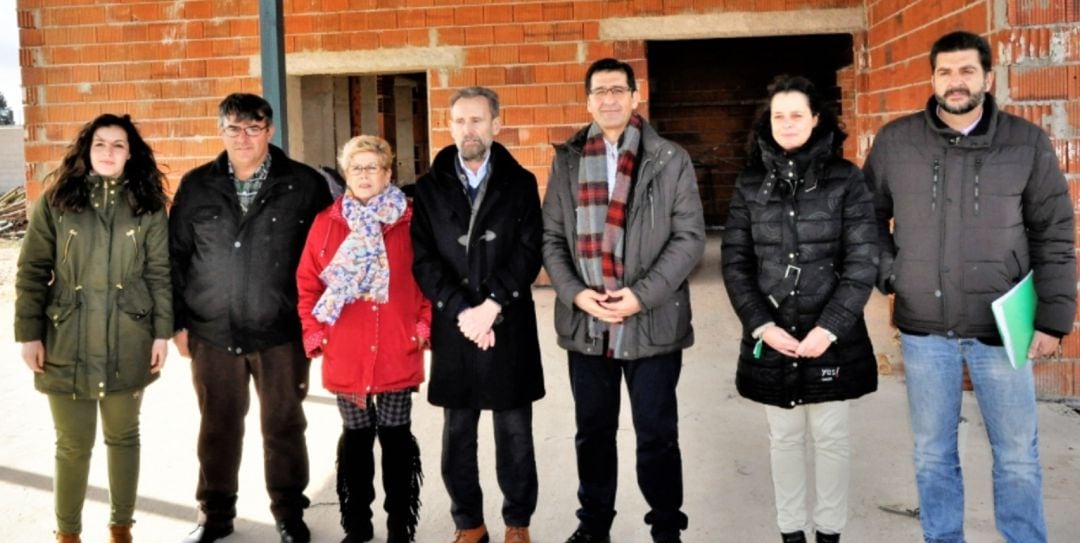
x=236 y=244
x=439 y=305
x=791 y=256
x=792 y=328
x=101 y=394
x=239 y=350
x=515 y=294
x=373 y=348
x=101 y=384
x=626 y=353
x=325 y=341
x=374 y=308
x=937 y=293
x=794 y=364
x=792 y=404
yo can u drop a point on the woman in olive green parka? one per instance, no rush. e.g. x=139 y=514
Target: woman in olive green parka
x=93 y=309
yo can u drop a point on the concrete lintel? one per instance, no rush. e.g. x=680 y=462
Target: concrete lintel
x=400 y=59
x=734 y=24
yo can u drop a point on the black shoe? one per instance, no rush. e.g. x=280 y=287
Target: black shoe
x=206 y=533
x=581 y=536
x=794 y=537
x=293 y=531
x=827 y=538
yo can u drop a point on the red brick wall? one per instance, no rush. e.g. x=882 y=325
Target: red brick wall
x=168 y=63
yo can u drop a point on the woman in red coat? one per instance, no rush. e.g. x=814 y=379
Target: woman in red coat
x=363 y=313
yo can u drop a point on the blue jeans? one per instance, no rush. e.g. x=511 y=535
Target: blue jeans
x=934 y=370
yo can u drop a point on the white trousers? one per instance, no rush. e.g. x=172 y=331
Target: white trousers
x=827 y=424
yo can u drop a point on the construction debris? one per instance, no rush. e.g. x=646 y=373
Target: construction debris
x=13 y=216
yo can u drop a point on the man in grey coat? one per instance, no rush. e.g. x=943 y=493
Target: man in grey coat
x=978 y=201
x=623 y=228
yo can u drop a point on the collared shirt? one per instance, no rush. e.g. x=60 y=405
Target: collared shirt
x=474 y=179
x=966 y=131
x=246 y=190
x=612 y=156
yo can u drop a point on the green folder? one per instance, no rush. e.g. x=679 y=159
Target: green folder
x=1014 y=312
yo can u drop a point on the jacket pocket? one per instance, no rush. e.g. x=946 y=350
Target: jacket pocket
x=670 y=322
x=63 y=336
x=567 y=320
x=135 y=336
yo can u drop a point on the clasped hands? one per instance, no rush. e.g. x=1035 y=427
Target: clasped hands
x=475 y=323
x=609 y=306
x=812 y=346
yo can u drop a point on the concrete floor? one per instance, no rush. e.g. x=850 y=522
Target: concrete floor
x=728 y=494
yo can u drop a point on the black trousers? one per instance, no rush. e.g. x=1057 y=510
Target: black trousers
x=595 y=384
x=515 y=465
x=221 y=385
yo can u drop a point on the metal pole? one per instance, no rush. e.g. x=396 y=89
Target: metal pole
x=272 y=54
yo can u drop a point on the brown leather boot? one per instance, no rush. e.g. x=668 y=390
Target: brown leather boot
x=61 y=537
x=472 y=535
x=120 y=533
x=517 y=534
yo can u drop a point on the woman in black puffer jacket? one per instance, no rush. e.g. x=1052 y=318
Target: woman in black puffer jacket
x=799 y=261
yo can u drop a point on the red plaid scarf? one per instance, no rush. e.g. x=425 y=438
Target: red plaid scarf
x=601 y=220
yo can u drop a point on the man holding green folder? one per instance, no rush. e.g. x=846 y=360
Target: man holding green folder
x=977 y=200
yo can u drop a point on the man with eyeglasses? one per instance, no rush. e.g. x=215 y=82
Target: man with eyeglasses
x=476 y=240
x=237 y=228
x=623 y=228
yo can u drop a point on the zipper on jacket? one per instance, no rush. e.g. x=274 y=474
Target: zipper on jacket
x=652 y=209
x=934 y=187
x=978 y=167
x=134 y=243
x=67 y=245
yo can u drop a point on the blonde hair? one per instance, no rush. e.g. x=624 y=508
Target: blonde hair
x=366 y=144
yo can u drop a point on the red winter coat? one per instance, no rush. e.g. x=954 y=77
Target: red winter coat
x=373 y=347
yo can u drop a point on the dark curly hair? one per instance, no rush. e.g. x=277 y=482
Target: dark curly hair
x=828 y=123
x=66 y=186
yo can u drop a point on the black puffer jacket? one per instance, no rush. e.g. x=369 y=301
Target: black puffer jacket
x=973 y=214
x=807 y=216
x=234 y=273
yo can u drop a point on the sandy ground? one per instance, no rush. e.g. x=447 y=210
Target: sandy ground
x=728 y=494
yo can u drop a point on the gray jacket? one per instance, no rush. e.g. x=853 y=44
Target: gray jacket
x=973 y=214
x=665 y=239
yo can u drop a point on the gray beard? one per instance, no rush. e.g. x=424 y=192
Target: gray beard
x=468 y=153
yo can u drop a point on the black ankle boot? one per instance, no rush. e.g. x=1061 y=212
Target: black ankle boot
x=355 y=483
x=402 y=477
x=827 y=538
x=794 y=537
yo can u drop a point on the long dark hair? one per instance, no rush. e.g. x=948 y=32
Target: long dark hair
x=66 y=185
x=828 y=123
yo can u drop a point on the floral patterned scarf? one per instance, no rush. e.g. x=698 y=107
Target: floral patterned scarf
x=360 y=269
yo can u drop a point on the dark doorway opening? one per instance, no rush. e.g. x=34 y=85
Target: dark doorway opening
x=704 y=95
x=395 y=108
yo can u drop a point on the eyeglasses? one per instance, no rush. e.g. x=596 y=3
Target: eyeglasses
x=252 y=130
x=615 y=92
x=366 y=171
